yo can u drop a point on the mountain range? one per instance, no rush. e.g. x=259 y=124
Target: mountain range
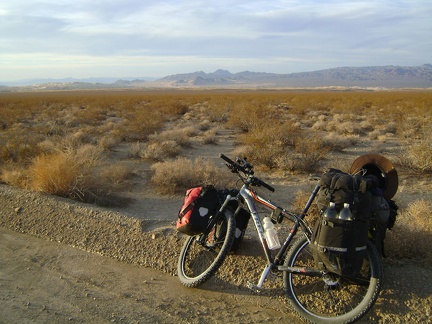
x=376 y=76
x=363 y=77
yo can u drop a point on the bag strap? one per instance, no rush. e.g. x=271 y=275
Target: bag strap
x=192 y=204
x=186 y=209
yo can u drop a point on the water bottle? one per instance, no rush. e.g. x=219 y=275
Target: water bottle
x=345 y=213
x=271 y=234
x=331 y=211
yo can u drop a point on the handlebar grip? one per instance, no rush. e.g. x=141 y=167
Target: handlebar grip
x=267 y=186
x=227 y=159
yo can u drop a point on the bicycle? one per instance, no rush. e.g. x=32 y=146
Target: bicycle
x=316 y=295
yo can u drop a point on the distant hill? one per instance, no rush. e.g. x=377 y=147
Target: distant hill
x=372 y=76
x=101 y=81
x=362 y=77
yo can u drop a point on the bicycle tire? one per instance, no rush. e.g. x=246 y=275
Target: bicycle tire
x=331 y=298
x=197 y=262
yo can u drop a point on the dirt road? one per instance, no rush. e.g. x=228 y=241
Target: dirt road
x=49 y=282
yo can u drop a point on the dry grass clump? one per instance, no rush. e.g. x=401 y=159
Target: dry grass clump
x=339 y=143
x=343 y=124
x=167 y=144
x=418 y=156
x=160 y=151
x=248 y=116
x=412 y=234
x=306 y=155
x=109 y=141
x=14 y=176
x=182 y=173
x=69 y=173
x=73 y=173
x=181 y=136
x=283 y=146
x=19 y=145
x=116 y=174
x=210 y=136
x=417 y=152
x=265 y=142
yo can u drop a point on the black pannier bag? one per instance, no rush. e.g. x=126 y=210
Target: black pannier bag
x=242 y=217
x=384 y=209
x=199 y=204
x=338 y=245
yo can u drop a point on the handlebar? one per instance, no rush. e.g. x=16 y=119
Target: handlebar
x=227 y=159
x=247 y=168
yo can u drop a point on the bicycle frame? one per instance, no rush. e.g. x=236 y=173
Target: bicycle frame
x=249 y=196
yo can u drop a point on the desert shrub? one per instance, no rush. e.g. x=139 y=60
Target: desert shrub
x=339 y=143
x=210 y=136
x=417 y=153
x=76 y=139
x=265 y=142
x=19 y=146
x=374 y=135
x=181 y=136
x=116 y=174
x=308 y=151
x=179 y=107
x=109 y=141
x=70 y=173
x=135 y=150
x=250 y=116
x=219 y=113
x=14 y=175
x=413 y=229
x=138 y=126
x=204 y=125
x=58 y=172
x=182 y=173
x=418 y=156
x=160 y=151
x=390 y=127
x=167 y=144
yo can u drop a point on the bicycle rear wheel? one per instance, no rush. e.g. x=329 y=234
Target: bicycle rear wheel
x=331 y=298
x=202 y=255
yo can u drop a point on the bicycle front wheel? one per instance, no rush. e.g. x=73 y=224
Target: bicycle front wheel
x=330 y=298
x=202 y=255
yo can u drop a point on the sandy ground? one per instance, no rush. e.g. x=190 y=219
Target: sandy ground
x=66 y=262
x=50 y=282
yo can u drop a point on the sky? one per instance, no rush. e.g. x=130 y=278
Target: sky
x=156 y=38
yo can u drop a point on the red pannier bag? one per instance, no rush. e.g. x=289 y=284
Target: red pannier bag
x=199 y=204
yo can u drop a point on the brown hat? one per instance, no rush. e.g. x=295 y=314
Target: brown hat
x=381 y=167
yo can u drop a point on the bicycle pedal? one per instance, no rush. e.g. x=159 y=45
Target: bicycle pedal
x=253 y=287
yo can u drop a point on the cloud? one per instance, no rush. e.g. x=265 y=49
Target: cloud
x=280 y=36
